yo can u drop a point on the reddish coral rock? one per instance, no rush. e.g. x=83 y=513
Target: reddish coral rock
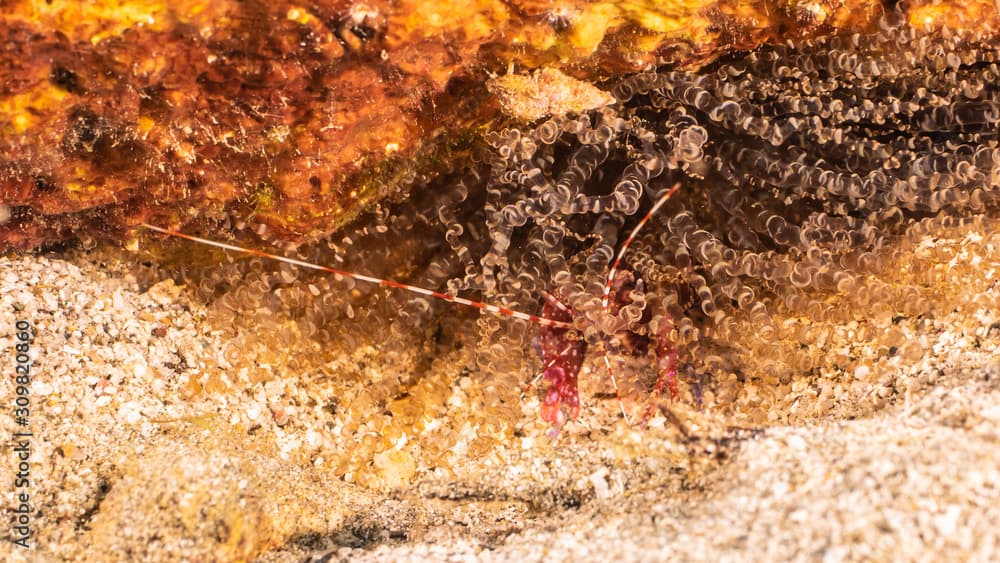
x=300 y=115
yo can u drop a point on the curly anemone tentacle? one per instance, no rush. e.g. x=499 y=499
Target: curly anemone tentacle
x=801 y=165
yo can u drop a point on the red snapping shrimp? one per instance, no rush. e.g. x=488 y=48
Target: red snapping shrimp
x=559 y=344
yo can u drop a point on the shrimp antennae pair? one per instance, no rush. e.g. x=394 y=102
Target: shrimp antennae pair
x=488 y=307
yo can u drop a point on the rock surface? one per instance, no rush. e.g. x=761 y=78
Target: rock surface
x=301 y=115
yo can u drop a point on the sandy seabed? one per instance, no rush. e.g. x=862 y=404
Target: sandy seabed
x=128 y=463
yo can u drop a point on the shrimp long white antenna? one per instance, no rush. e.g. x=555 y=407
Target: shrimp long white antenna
x=606 y=298
x=494 y=309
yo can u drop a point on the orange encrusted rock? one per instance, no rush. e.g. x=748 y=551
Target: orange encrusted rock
x=301 y=115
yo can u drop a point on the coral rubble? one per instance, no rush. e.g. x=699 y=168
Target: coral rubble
x=294 y=115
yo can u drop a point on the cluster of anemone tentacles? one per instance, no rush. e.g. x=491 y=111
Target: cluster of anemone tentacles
x=803 y=169
x=800 y=168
